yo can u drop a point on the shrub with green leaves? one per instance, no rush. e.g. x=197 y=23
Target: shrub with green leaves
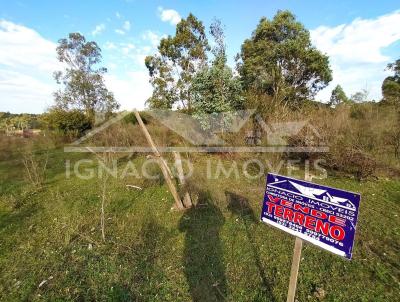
x=72 y=122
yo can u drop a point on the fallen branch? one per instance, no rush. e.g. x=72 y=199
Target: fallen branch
x=135 y=187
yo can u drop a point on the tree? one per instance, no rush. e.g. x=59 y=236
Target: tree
x=214 y=88
x=359 y=96
x=338 y=96
x=391 y=85
x=173 y=68
x=4 y=115
x=280 y=61
x=391 y=95
x=82 y=80
x=5 y=121
x=7 y=124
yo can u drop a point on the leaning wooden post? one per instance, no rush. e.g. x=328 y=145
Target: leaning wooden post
x=298 y=245
x=161 y=162
x=187 y=201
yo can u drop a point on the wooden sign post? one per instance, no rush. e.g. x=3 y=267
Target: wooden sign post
x=298 y=244
x=294 y=271
x=299 y=207
x=161 y=162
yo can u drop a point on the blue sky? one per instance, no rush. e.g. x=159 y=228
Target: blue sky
x=360 y=38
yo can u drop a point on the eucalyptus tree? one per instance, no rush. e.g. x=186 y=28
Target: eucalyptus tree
x=178 y=59
x=82 y=79
x=338 y=96
x=279 y=60
x=215 y=89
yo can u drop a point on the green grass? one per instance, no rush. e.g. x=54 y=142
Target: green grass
x=217 y=251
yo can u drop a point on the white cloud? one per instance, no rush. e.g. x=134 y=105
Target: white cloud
x=120 y=31
x=21 y=45
x=27 y=61
x=356 y=52
x=24 y=93
x=132 y=56
x=127 y=48
x=152 y=37
x=169 y=15
x=98 y=29
x=132 y=90
x=109 y=45
x=118 y=15
x=126 y=26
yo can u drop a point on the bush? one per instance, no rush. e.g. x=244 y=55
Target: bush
x=35 y=156
x=352 y=139
x=352 y=160
x=71 y=123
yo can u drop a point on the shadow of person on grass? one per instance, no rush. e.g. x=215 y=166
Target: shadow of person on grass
x=239 y=206
x=147 y=277
x=203 y=254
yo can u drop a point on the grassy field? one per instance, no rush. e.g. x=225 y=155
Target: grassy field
x=51 y=246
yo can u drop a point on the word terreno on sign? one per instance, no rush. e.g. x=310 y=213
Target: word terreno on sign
x=324 y=216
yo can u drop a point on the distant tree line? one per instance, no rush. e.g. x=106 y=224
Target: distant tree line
x=277 y=66
x=10 y=121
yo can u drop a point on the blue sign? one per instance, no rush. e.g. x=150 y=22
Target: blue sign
x=321 y=215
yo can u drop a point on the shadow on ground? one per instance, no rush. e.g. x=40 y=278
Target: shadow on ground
x=239 y=206
x=203 y=254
